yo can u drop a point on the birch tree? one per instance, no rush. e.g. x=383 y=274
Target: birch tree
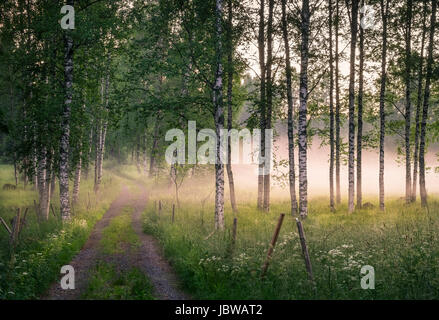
x=428 y=77
x=303 y=96
x=291 y=162
x=384 y=5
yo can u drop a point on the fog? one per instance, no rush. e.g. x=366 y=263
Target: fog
x=318 y=171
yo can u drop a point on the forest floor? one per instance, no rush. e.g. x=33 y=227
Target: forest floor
x=120 y=261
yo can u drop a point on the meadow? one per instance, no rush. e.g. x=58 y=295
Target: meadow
x=401 y=244
x=27 y=271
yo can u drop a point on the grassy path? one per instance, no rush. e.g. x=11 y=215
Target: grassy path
x=118 y=260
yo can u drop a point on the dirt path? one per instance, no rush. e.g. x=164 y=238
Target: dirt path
x=148 y=258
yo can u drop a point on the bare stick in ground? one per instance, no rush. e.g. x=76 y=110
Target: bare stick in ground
x=23 y=221
x=272 y=244
x=173 y=212
x=304 y=249
x=53 y=211
x=15 y=229
x=232 y=243
x=5 y=225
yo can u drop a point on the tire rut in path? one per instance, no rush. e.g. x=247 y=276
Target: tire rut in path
x=147 y=257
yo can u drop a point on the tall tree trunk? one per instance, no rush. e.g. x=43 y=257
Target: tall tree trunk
x=331 y=112
x=219 y=119
x=360 y=120
x=337 y=109
x=77 y=181
x=138 y=153
x=42 y=171
x=97 y=144
x=261 y=49
x=303 y=96
x=230 y=105
x=408 y=107
x=145 y=168
x=155 y=142
x=102 y=132
x=268 y=146
x=291 y=171
x=65 y=126
x=419 y=103
x=428 y=76
x=351 y=160
x=384 y=15
x=48 y=185
x=52 y=178
x=15 y=169
x=90 y=146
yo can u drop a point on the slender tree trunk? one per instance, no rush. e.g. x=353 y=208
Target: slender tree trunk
x=65 y=126
x=360 y=121
x=138 y=154
x=337 y=109
x=291 y=171
x=331 y=112
x=90 y=145
x=268 y=146
x=219 y=119
x=53 y=177
x=230 y=105
x=145 y=168
x=261 y=49
x=303 y=96
x=98 y=136
x=47 y=191
x=419 y=103
x=102 y=132
x=42 y=171
x=351 y=160
x=408 y=107
x=15 y=169
x=77 y=182
x=429 y=72
x=384 y=14
x=155 y=142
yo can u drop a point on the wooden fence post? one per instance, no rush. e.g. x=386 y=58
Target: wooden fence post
x=304 y=249
x=272 y=244
x=53 y=211
x=232 y=243
x=235 y=226
x=24 y=222
x=15 y=229
x=5 y=225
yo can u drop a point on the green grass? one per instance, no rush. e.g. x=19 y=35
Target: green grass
x=402 y=244
x=43 y=248
x=108 y=284
x=119 y=234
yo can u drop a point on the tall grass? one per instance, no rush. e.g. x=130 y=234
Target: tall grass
x=28 y=271
x=402 y=244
